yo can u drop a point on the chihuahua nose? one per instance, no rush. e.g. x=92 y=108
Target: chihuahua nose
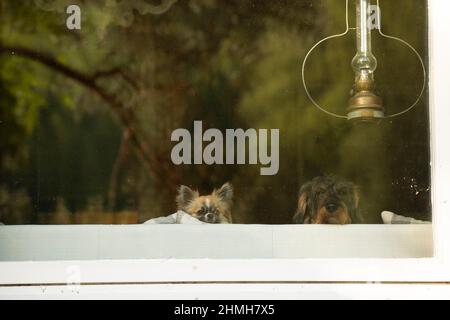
x=331 y=207
x=209 y=216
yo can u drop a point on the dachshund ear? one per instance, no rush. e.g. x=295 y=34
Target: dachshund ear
x=355 y=213
x=302 y=214
x=356 y=196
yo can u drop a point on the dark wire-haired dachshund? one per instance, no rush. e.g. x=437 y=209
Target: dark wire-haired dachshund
x=328 y=200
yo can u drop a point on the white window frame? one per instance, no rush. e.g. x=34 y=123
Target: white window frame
x=138 y=274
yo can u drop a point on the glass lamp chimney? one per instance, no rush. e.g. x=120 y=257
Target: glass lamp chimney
x=364 y=105
x=364 y=63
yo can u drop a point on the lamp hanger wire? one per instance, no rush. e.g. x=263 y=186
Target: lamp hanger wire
x=347 y=30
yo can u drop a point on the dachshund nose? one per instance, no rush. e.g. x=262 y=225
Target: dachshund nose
x=331 y=207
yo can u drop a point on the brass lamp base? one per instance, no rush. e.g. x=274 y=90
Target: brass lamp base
x=365 y=105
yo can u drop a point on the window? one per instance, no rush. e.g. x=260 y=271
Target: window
x=109 y=110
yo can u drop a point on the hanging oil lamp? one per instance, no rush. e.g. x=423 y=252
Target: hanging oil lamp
x=364 y=105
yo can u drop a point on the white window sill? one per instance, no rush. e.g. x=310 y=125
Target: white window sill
x=69 y=243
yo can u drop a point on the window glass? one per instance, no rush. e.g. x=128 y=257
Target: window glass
x=107 y=108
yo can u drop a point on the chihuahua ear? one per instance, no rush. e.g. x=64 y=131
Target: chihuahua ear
x=225 y=193
x=302 y=215
x=185 y=196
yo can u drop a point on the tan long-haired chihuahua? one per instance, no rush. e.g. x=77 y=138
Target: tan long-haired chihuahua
x=213 y=208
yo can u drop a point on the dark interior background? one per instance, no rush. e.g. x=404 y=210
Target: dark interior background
x=86 y=116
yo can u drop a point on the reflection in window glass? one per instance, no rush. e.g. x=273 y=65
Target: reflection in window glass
x=107 y=110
